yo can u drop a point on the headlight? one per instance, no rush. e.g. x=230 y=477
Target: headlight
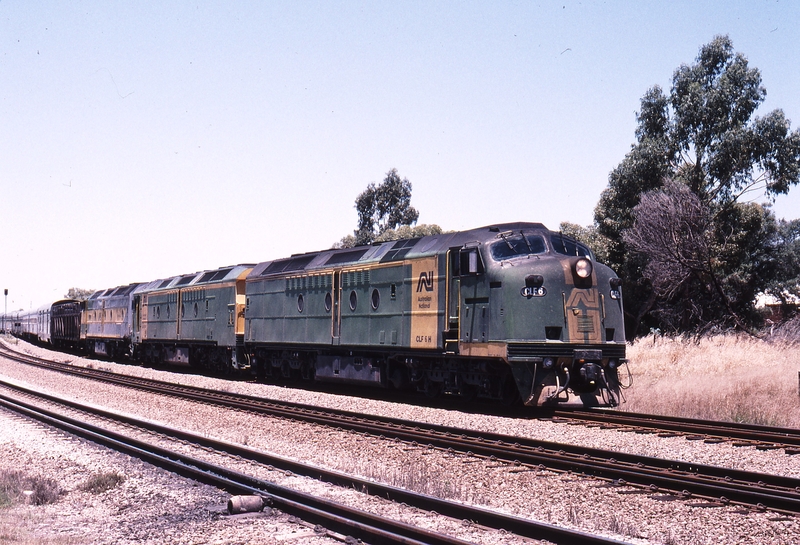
x=583 y=268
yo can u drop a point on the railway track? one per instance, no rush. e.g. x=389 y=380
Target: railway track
x=331 y=515
x=743 y=435
x=692 y=482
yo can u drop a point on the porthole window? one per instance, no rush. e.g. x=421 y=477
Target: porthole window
x=300 y=303
x=376 y=299
x=328 y=302
x=353 y=300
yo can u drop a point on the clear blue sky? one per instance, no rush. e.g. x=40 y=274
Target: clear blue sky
x=141 y=141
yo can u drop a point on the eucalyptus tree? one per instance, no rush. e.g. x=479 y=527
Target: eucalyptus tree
x=385 y=213
x=383 y=207
x=705 y=135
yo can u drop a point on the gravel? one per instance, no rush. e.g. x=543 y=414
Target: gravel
x=149 y=506
x=152 y=506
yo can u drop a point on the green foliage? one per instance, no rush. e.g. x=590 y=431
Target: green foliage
x=408 y=231
x=785 y=245
x=79 y=294
x=383 y=207
x=347 y=241
x=702 y=135
x=589 y=236
x=402 y=232
x=705 y=270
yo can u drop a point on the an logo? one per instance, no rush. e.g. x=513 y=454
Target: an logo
x=425 y=281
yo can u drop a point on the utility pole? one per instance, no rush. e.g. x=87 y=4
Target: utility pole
x=5 y=312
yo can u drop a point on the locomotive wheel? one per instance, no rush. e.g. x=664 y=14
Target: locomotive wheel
x=432 y=389
x=263 y=366
x=399 y=379
x=286 y=371
x=220 y=362
x=307 y=371
x=509 y=394
x=468 y=392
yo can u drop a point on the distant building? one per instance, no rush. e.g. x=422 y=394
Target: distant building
x=775 y=311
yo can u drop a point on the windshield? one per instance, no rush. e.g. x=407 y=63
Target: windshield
x=567 y=246
x=517 y=244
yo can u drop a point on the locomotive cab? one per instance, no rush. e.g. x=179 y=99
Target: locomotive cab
x=542 y=302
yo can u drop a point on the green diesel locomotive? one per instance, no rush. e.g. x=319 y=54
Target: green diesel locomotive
x=507 y=312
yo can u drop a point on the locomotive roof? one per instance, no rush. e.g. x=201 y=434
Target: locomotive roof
x=383 y=252
x=212 y=276
x=113 y=292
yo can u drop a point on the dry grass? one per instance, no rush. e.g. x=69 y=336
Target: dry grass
x=18 y=488
x=733 y=378
x=9 y=339
x=420 y=478
x=16 y=529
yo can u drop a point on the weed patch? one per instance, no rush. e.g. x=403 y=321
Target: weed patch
x=17 y=487
x=102 y=482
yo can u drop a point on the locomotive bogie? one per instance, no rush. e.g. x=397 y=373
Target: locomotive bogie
x=350 y=369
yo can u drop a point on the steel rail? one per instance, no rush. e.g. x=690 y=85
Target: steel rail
x=333 y=516
x=483 y=517
x=762 y=437
x=713 y=483
x=765 y=437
